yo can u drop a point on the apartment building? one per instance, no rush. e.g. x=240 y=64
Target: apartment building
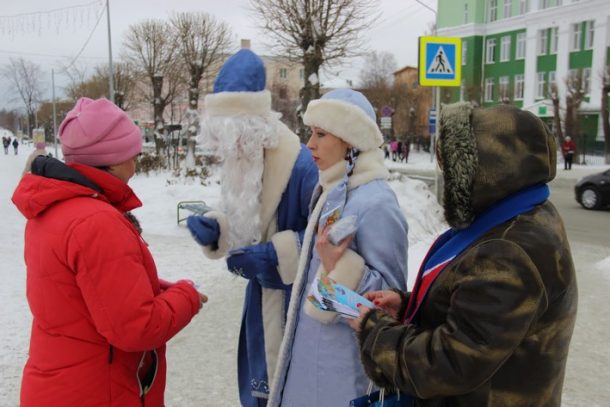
x=515 y=51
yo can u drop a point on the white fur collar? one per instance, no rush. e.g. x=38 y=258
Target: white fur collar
x=369 y=166
x=278 y=168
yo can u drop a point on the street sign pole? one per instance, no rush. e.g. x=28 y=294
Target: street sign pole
x=439 y=65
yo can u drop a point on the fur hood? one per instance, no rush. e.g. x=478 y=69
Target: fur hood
x=490 y=153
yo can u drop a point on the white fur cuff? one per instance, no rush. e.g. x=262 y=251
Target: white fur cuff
x=287 y=248
x=223 y=238
x=344 y=120
x=238 y=103
x=348 y=272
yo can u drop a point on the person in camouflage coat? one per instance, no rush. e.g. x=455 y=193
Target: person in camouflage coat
x=494 y=327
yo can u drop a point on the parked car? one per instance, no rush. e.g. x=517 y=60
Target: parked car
x=593 y=191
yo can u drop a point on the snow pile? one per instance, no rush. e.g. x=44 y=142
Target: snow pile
x=604 y=265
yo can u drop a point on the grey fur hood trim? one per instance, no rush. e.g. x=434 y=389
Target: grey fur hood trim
x=488 y=154
x=457 y=149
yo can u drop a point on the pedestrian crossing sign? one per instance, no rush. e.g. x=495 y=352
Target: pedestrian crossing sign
x=440 y=61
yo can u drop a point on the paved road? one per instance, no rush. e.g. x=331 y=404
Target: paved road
x=583 y=226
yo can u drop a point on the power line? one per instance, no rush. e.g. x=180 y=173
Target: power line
x=33 y=13
x=426 y=6
x=86 y=42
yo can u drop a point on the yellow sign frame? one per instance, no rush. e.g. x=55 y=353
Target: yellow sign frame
x=425 y=78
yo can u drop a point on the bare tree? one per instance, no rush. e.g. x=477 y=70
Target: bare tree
x=96 y=85
x=314 y=32
x=604 y=114
x=150 y=47
x=377 y=70
x=9 y=120
x=203 y=42
x=25 y=80
x=574 y=97
x=554 y=96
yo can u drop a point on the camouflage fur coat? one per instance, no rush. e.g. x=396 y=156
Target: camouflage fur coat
x=495 y=326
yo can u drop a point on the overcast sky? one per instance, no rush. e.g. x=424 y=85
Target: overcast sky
x=52 y=33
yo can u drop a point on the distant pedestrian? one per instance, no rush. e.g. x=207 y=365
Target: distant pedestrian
x=404 y=152
x=6 y=141
x=568 y=147
x=394 y=149
x=386 y=151
x=15 y=145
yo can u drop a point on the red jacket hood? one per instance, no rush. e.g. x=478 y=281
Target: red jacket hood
x=36 y=193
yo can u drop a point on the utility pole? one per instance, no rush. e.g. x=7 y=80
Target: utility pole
x=54 y=111
x=111 y=74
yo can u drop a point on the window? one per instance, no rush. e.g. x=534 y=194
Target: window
x=466 y=13
x=519 y=86
x=573 y=78
x=489 y=90
x=589 y=34
x=508 y=8
x=542 y=41
x=523 y=6
x=490 y=54
x=504 y=82
x=464 y=52
x=586 y=80
x=540 y=85
x=493 y=10
x=283 y=73
x=520 y=51
x=552 y=79
x=505 y=49
x=575 y=36
x=554 y=32
x=283 y=93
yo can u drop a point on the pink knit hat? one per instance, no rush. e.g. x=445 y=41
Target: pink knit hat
x=98 y=133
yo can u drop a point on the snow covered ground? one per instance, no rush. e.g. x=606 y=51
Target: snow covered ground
x=202 y=358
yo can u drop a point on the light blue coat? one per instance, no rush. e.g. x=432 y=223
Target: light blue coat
x=319 y=362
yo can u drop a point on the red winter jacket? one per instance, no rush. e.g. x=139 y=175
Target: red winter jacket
x=92 y=286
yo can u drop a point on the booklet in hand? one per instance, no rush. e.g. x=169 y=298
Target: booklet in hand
x=328 y=295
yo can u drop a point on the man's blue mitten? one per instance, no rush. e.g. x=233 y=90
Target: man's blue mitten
x=205 y=231
x=250 y=261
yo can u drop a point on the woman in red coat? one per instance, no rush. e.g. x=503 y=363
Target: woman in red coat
x=101 y=318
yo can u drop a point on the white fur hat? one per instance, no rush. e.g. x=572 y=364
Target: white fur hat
x=348 y=115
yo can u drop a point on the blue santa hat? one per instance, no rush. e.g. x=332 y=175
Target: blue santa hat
x=348 y=115
x=239 y=88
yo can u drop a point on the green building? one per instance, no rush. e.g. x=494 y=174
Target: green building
x=517 y=51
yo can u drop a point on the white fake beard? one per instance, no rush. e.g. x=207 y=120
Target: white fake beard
x=240 y=142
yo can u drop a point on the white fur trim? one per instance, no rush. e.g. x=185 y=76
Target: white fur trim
x=273 y=326
x=278 y=169
x=294 y=306
x=369 y=167
x=238 y=103
x=287 y=248
x=223 y=238
x=348 y=271
x=344 y=120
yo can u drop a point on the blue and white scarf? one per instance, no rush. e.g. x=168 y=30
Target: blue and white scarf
x=451 y=243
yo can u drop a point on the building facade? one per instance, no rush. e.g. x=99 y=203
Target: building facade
x=518 y=51
x=411 y=115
